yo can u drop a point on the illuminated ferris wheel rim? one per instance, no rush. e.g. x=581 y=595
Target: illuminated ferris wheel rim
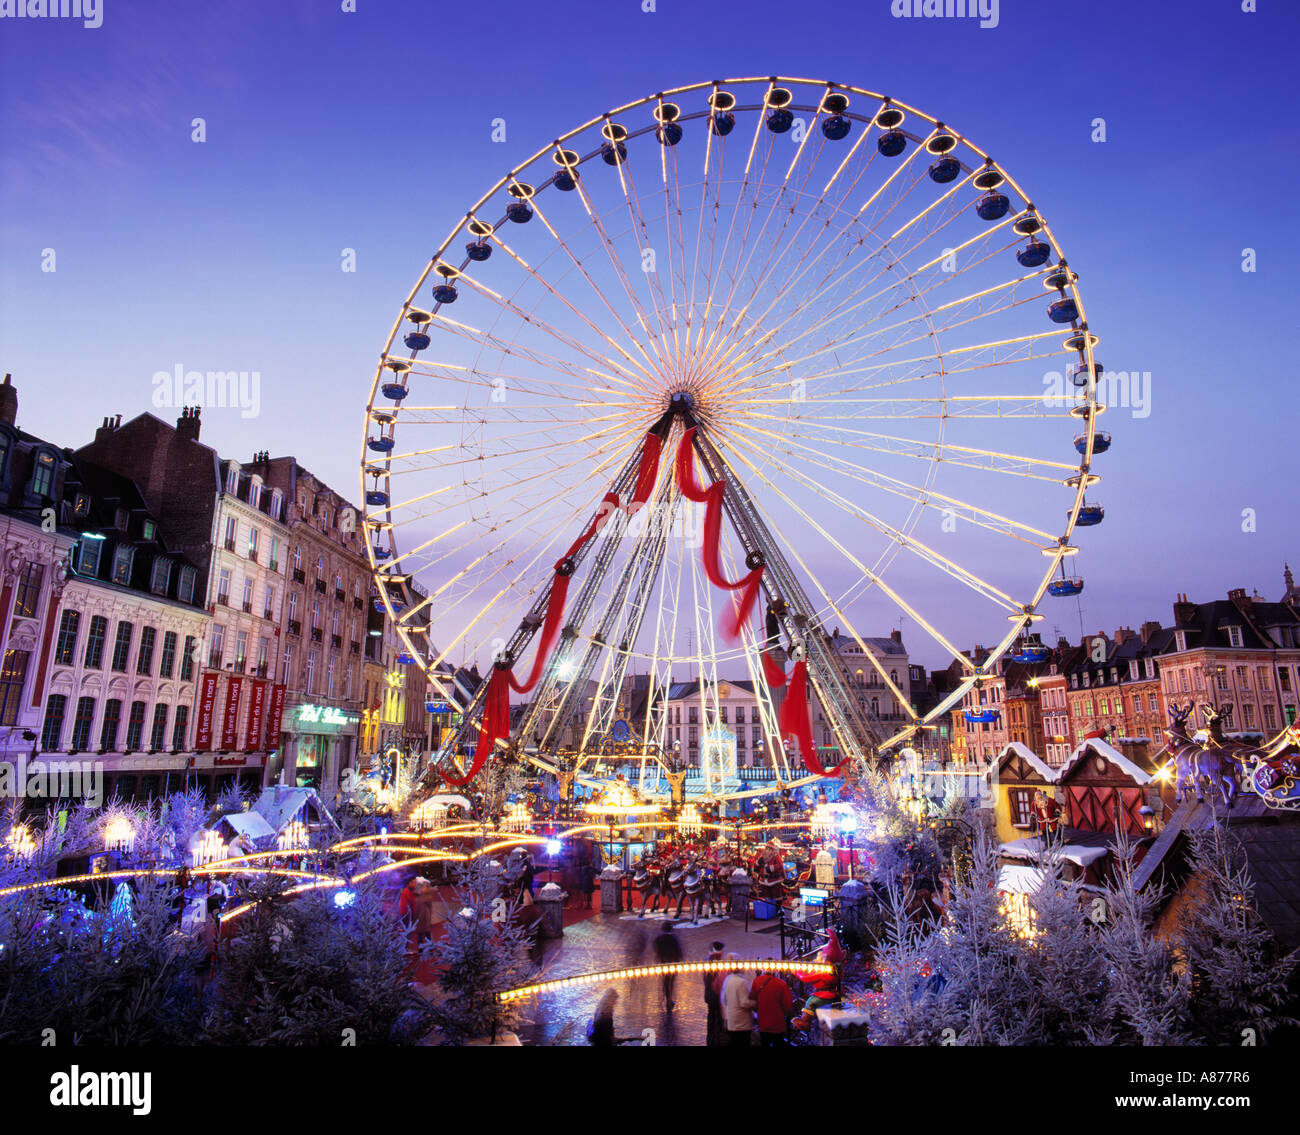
x=513 y=183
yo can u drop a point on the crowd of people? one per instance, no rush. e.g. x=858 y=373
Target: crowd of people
x=740 y=1012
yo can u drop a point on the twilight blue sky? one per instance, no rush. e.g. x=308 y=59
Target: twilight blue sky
x=371 y=130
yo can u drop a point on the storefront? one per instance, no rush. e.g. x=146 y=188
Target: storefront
x=320 y=741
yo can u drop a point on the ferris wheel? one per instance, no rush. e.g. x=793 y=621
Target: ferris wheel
x=712 y=389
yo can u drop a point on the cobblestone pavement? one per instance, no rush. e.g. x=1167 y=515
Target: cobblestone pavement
x=610 y=941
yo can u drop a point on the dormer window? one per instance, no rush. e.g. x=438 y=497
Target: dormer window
x=1150 y=667
x=185 y=588
x=42 y=483
x=1133 y=670
x=88 y=552
x=277 y=504
x=160 y=576
x=6 y=447
x=232 y=480
x=1180 y=640
x=1234 y=637
x=255 y=492
x=123 y=558
x=81 y=505
x=149 y=530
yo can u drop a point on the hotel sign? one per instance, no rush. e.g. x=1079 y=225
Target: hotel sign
x=308 y=714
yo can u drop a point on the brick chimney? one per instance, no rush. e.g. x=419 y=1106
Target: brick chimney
x=1122 y=635
x=1241 y=600
x=897 y=636
x=1184 y=612
x=8 y=402
x=1148 y=629
x=187 y=425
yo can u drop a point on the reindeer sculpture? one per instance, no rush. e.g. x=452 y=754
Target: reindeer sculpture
x=1182 y=752
x=674 y=883
x=647 y=878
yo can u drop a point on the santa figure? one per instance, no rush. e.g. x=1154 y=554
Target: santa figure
x=825 y=986
x=1047 y=812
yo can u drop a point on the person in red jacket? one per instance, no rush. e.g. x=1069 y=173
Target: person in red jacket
x=773 y=1002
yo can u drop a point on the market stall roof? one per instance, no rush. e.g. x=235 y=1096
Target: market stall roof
x=1079 y=847
x=1112 y=754
x=1025 y=753
x=279 y=805
x=250 y=824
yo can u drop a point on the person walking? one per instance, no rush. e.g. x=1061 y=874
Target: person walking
x=715 y=1031
x=668 y=950
x=587 y=879
x=774 y=1003
x=600 y=1030
x=737 y=1008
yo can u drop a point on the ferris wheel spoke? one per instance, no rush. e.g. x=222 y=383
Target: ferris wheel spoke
x=845 y=308
x=635 y=372
x=918 y=494
x=904 y=540
x=875 y=579
x=650 y=351
x=985 y=460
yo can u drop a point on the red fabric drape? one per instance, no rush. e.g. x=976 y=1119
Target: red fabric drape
x=711 y=498
x=496 y=701
x=773 y=671
x=796 y=718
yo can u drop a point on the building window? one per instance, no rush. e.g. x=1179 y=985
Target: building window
x=55 y=707
x=1284 y=679
x=167 y=661
x=160 y=576
x=13 y=676
x=149 y=530
x=28 y=596
x=178 y=729
x=95 y=642
x=232 y=480
x=241 y=651
x=277 y=504
x=67 y=640
x=185 y=589
x=247 y=603
x=1151 y=698
x=1150 y=668
x=187 y=659
x=293 y=606
x=122 y=646
x=275 y=553
x=297 y=558
x=216 y=648
x=135 y=726
x=263 y=656
x=1021 y=804
x=223 y=587
x=1234 y=636
x=268 y=608
x=311 y=672
x=144 y=660
x=88 y=557
x=123 y=559
x=112 y=722
x=158 y=731
x=255 y=492
x=253 y=535
x=81 y=723
x=43 y=475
